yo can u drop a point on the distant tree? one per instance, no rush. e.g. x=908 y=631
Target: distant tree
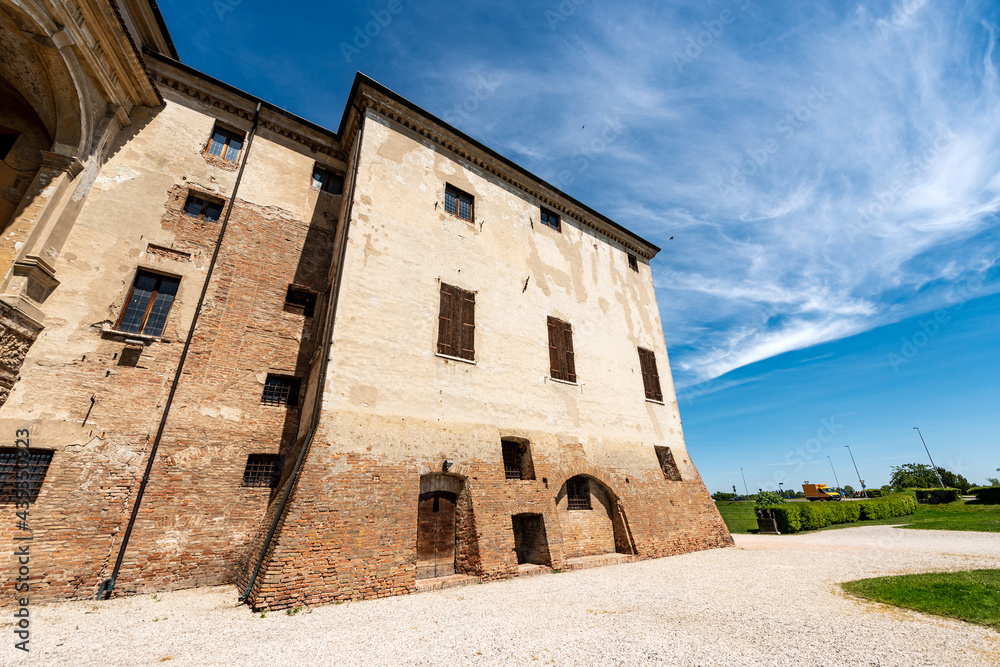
x=913 y=476
x=849 y=490
x=993 y=481
x=722 y=495
x=954 y=480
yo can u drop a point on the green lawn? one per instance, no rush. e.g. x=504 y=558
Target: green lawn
x=969 y=596
x=960 y=515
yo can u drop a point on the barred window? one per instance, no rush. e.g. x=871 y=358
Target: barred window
x=30 y=465
x=148 y=303
x=550 y=219
x=517 y=460
x=458 y=203
x=327 y=181
x=280 y=390
x=457 y=323
x=225 y=143
x=262 y=470
x=203 y=209
x=561 y=363
x=650 y=378
x=578 y=493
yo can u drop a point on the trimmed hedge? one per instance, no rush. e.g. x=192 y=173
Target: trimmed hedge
x=796 y=517
x=874 y=493
x=986 y=494
x=937 y=496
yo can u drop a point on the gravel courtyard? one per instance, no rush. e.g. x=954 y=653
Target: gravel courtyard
x=770 y=601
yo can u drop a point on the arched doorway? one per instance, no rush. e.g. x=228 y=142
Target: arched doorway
x=446 y=529
x=592 y=518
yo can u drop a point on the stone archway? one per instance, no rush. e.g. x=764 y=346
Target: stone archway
x=592 y=518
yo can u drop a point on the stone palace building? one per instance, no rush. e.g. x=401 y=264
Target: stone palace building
x=318 y=365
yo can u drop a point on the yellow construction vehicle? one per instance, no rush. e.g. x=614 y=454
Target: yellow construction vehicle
x=819 y=492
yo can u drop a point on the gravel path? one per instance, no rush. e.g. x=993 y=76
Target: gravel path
x=771 y=600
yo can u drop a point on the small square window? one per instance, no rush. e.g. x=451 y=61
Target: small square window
x=550 y=219
x=327 y=181
x=300 y=300
x=148 y=303
x=458 y=203
x=578 y=493
x=30 y=465
x=280 y=390
x=263 y=470
x=225 y=143
x=203 y=209
x=633 y=263
x=7 y=141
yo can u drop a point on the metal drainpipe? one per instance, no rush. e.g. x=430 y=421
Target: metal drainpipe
x=108 y=585
x=321 y=378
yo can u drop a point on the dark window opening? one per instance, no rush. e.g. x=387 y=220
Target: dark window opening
x=650 y=378
x=7 y=141
x=299 y=300
x=457 y=323
x=202 y=209
x=22 y=472
x=148 y=303
x=130 y=356
x=578 y=493
x=550 y=219
x=458 y=203
x=280 y=390
x=530 y=543
x=328 y=181
x=667 y=464
x=633 y=263
x=263 y=470
x=561 y=363
x=517 y=460
x=225 y=143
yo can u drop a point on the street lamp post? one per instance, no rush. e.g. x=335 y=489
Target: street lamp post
x=860 y=481
x=745 y=488
x=839 y=487
x=781 y=491
x=933 y=467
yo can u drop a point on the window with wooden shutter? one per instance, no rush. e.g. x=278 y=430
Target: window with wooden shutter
x=561 y=363
x=457 y=323
x=650 y=378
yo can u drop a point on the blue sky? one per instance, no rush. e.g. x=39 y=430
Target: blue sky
x=830 y=173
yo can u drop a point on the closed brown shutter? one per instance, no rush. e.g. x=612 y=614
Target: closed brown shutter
x=561 y=364
x=467 y=348
x=650 y=378
x=457 y=323
x=446 y=321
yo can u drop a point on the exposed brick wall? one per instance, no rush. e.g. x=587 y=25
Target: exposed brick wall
x=16 y=336
x=350 y=530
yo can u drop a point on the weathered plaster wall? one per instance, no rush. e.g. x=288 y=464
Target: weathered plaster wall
x=195 y=516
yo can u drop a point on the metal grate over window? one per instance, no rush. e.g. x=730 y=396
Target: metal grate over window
x=280 y=390
x=512 y=459
x=578 y=493
x=263 y=470
x=31 y=469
